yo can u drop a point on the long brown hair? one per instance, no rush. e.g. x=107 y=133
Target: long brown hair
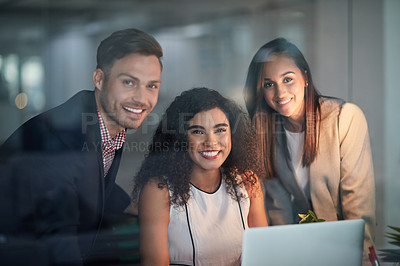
x=266 y=120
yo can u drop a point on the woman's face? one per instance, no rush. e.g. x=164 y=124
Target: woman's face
x=209 y=139
x=283 y=85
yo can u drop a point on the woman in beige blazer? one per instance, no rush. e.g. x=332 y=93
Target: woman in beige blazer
x=315 y=149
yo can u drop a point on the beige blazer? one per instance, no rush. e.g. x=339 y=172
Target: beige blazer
x=341 y=178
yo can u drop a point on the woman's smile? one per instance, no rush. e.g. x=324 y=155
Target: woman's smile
x=210 y=155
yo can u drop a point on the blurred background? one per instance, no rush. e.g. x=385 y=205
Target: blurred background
x=48 y=49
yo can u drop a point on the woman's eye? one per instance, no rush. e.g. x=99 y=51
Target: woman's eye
x=220 y=130
x=287 y=79
x=196 y=132
x=268 y=84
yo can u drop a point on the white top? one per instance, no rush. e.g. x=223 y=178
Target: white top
x=295 y=141
x=215 y=223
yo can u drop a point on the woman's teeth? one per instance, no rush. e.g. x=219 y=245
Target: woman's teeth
x=285 y=102
x=209 y=153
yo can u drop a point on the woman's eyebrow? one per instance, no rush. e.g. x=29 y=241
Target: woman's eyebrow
x=289 y=72
x=284 y=74
x=195 y=126
x=221 y=125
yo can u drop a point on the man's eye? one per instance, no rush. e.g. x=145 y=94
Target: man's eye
x=153 y=86
x=128 y=82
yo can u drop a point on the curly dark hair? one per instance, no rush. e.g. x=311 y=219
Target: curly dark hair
x=168 y=161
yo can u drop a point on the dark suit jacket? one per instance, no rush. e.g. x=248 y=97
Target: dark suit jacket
x=53 y=171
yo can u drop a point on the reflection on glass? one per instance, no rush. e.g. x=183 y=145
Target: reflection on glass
x=32 y=75
x=11 y=62
x=21 y=101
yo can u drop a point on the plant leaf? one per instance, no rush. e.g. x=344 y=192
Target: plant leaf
x=396 y=243
x=310 y=217
x=394 y=228
x=394 y=237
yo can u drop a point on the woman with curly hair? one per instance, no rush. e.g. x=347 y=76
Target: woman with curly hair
x=316 y=149
x=198 y=188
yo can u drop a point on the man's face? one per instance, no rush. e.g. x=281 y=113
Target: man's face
x=130 y=91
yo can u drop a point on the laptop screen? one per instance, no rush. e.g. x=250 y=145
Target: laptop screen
x=312 y=244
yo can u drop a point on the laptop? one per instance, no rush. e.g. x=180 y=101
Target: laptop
x=312 y=244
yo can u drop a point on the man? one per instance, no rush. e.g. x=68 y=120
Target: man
x=59 y=168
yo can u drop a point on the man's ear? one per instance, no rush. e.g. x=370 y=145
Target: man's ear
x=98 y=78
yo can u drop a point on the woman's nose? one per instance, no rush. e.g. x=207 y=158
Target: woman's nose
x=211 y=140
x=279 y=90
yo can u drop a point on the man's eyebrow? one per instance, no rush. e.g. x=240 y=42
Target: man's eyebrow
x=128 y=75
x=135 y=78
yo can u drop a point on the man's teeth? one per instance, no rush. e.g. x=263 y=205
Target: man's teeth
x=133 y=110
x=285 y=102
x=209 y=153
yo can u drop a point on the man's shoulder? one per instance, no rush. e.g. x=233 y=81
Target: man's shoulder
x=82 y=101
x=64 y=121
x=69 y=112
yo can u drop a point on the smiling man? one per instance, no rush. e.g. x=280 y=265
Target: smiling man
x=61 y=165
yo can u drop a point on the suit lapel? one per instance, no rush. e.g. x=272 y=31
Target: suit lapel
x=91 y=130
x=109 y=180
